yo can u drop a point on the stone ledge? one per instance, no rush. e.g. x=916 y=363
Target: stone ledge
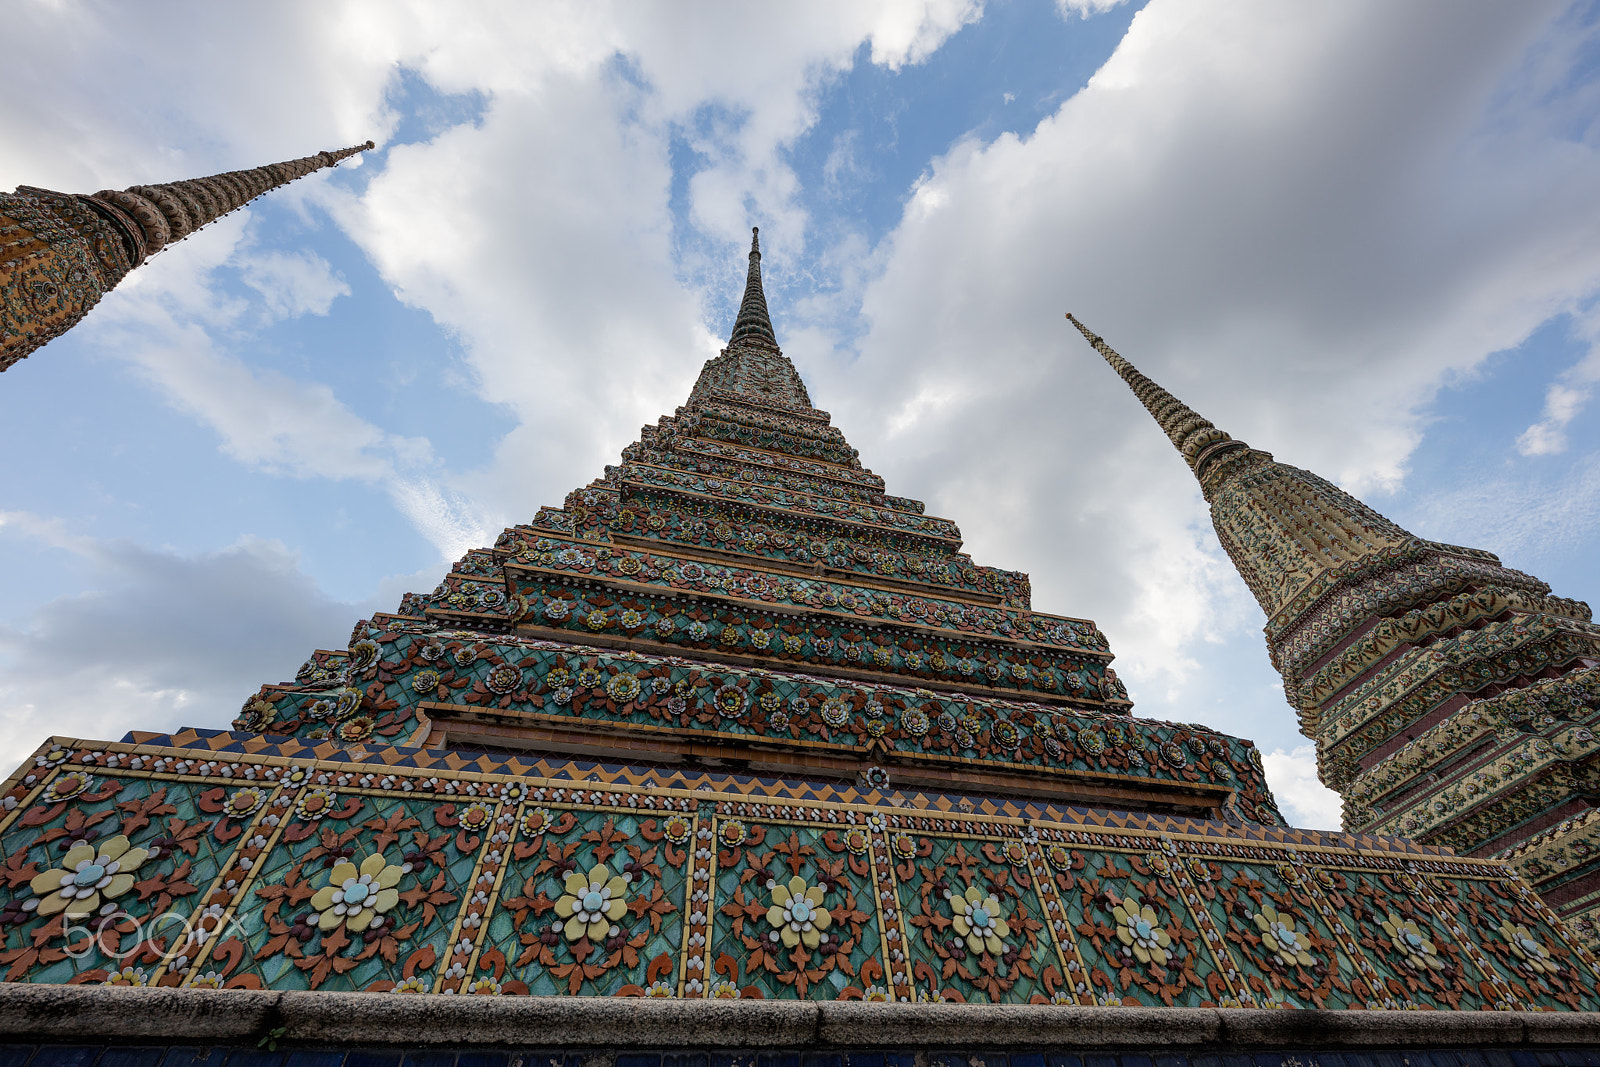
x=54 y=1014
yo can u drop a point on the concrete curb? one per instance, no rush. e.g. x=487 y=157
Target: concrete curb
x=55 y=1014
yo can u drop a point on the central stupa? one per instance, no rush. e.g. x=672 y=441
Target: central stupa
x=735 y=723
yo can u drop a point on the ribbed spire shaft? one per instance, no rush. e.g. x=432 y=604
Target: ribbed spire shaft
x=753 y=321
x=1193 y=435
x=171 y=211
x=60 y=252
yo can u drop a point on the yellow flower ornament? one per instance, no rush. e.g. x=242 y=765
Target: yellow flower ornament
x=1142 y=932
x=357 y=896
x=88 y=875
x=797 y=913
x=977 y=918
x=1417 y=948
x=1281 y=938
x=592 y=902
x=1528 y=949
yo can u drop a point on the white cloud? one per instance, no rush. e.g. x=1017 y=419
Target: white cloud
x=293 y=283
x=162 y=640
x=1523 y=519
x=1564 y=400
x=1303 y=800
x=1084 y=8
x=174 y=321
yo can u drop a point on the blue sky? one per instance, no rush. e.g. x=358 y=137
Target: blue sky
x=1359 y=235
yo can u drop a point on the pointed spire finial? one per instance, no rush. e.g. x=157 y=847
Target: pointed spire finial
x=753 y=323
x=94 y=241
x=1195 y=438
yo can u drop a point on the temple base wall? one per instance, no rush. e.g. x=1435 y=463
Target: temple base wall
x=219 y=1027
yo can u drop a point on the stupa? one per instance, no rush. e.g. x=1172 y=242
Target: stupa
x=61 y=252
x=733 y=751
x=1452 y=699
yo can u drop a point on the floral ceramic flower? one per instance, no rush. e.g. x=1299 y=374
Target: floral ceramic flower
x=413 y=984
x=977 y=918
x=65 y=787
x=314 y=804
x=596 y=620
x=623 y=688
x=357 y=729
x=1417 y=948
x=1528 y=949
x=535 y=821
x=835 y=711
x=357 y=896
x=661 y=988
x=256 y=715
x=1279 y=935
x=723 y=991
x=476 y=817
x=425 y=681
x=729 y=701
x=677 y=829
x=592 y=902
x=503 y=679
x=797 y=913
x=362 y=655
x=55 y=757
x=590 y=677
x=88 y=875
x=875 y=993
x=245 y=803
x=914 y=722
x=1142 y=932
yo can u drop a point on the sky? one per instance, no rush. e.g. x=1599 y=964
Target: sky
x=1363 y=236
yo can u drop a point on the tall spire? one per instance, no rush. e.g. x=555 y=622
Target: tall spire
x=1287 y=530
x=61 y=252
x=1418 y=668
x=753 y=322
x=753 y=367
x=1194 y=436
